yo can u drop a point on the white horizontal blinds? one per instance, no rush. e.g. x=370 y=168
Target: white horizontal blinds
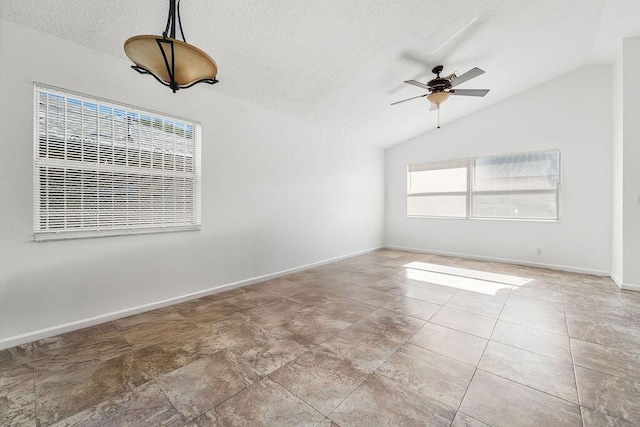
x=523 y=186
x=438 y=189
x=103 y=168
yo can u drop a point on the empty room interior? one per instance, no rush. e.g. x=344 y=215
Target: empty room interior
x=224 y=213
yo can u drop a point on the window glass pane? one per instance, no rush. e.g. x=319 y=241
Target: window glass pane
x=515 y=205
x=437 y=205
x=528 y=171
x=517 y=186
x=438 y=189
x=438 y=181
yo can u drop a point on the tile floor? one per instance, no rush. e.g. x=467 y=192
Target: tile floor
x=388 y=338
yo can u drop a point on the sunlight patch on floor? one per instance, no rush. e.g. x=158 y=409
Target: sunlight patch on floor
x=473 y=274
x=457 y=282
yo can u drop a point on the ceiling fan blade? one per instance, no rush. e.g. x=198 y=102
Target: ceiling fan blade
x=433 y=107
x=472 y=73
x=409 y=99
x=415 y=83
x=470 y=92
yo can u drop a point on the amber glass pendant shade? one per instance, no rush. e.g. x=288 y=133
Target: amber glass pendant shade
x=438 y=97
x=174 y=63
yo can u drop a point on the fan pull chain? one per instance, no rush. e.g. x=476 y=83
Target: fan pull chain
x=438 y=116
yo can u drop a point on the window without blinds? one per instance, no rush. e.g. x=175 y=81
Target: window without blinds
x=101 y=168
x=438 y=189
x=525 y=186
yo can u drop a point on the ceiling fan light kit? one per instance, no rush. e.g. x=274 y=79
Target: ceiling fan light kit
x=438 y=97
x=173 y=62
x=441 y=88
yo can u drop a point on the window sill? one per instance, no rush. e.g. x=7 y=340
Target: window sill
x=49 y=236
x=559 y=220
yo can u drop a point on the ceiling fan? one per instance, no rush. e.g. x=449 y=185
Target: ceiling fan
x=440 y=88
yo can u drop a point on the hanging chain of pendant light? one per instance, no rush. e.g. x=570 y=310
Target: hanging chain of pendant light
x=173 y=62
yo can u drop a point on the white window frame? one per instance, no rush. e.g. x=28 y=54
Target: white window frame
x=149 y=218
x=470 y=165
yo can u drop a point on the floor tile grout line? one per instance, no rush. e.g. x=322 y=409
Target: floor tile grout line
x=479 y=360
x=476 y=367
x=537 y=329
x=516 y=382
x=531 y=351
x=495 y=321
x=168 y=400
x=372 y=372
x=414 y=317
x=573 y=362
x=134 y=351
x=596 y=409
x=127 y=390
x=582 y=415
x=435 y=352
x=406 y=342
x=465 y=395
x=121 y=334
x=474 y=312
x=408 y=388
x=210 y=409
x=529 y=386
x=454 y=329
x=35 y=390
x=599 y=370
x=602 y=413
x=295 y=395
x=362 y=382
x=524 y=385
x=366 y=326
x=624 y=306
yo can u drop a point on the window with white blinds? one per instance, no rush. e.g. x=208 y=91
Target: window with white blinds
x=102 y=168
x=514 y=186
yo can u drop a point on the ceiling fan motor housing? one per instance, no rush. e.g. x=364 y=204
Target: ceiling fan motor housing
x=439 y=84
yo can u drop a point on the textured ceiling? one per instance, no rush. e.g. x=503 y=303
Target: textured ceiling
x=340 y=63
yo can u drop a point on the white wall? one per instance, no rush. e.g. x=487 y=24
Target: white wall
x=617 y=150
x=277 y=194
x=631 y=157
x=566 y=113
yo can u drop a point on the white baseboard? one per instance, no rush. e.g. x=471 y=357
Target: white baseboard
x=107 y=317
x=625 y=286
x=506 y=261
x=630 y=287
x=616 y=280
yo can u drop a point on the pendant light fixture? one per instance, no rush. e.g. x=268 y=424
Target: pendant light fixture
x=174 y=63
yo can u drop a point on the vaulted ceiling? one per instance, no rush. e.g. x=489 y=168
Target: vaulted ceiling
x=340 y=63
